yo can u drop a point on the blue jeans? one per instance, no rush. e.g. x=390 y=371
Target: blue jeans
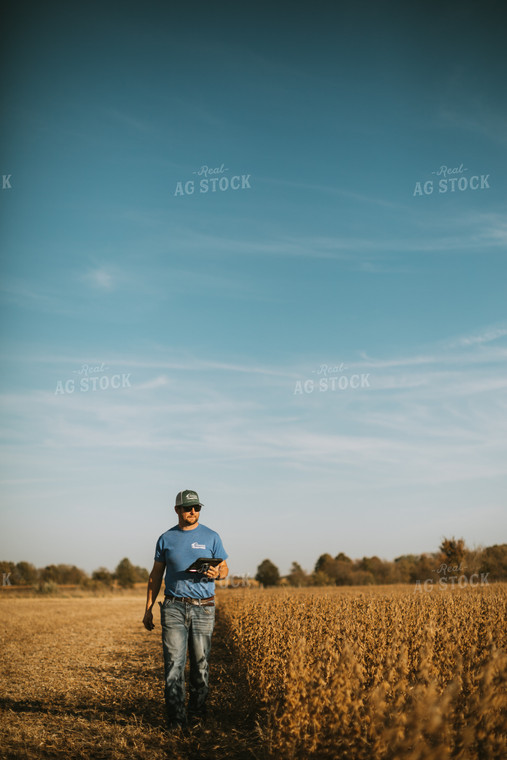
x=183 y=625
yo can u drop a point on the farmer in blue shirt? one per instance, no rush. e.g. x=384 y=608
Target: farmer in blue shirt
x=188 y=611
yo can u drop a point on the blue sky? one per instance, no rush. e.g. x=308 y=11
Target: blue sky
x=335 y=253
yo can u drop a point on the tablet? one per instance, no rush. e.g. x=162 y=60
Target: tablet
x=203 y=564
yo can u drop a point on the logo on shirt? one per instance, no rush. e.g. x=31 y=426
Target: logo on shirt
x=195 y=545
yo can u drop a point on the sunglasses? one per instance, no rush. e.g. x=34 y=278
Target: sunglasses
x=197 y=508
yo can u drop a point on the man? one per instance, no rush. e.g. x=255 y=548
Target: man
x=188 y=611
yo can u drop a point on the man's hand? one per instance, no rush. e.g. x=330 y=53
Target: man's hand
x=214 y=572
x=148 y=620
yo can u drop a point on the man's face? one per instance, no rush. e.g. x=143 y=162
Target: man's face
x=187 y=518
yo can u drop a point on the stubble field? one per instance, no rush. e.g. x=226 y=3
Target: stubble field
x=377 y=673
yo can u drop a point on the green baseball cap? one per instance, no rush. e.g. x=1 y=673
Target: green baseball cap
x=188 y=499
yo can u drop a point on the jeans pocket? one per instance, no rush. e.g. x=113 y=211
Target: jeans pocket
x=170 y=613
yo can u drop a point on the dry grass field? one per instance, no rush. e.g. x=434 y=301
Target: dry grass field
x=81 y=678
x=351 y=673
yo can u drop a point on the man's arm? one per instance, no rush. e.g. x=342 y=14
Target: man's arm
x=154 y=583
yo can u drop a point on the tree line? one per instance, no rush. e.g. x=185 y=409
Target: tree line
x=47 y=578
x=452 y=560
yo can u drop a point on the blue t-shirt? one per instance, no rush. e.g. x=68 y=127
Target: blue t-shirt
x=178 y=548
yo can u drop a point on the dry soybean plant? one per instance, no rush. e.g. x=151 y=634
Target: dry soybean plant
x=376 y=674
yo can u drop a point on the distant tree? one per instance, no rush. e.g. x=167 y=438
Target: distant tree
x=125 y=573
x=102 y=575
x=297 y=576
x=363 y=578
x=323 y=560
x=49 y=574
x=379 y=569
x=26 y=573
x=327 y=566
x=404 y=568
x=320 y=578
x=494 y=561
x=267 y=573
x=73 y=574
x=472 y=561
x=62 y=574
x=341 y=571
x=426 y=568
x=453 y=552
x=141 y=573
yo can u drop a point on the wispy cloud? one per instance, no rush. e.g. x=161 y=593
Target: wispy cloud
x=477 y=235
x=100 y=278
x=446 y=408
x=487 y=336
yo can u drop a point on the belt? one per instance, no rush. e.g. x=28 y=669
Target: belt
x=198 y=602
